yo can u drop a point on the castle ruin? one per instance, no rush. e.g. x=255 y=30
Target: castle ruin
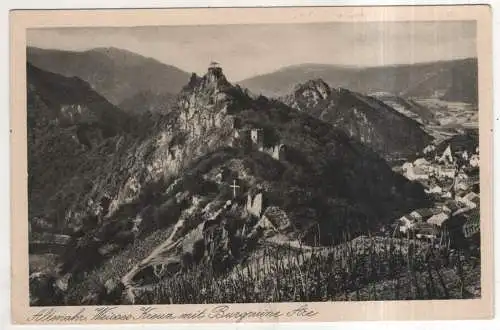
x=253 y=139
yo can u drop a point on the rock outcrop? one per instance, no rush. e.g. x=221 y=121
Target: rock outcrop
x=362 y=117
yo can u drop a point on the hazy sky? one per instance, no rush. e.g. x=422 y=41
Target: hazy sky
x=247 y=50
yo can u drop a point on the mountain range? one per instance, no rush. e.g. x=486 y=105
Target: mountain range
x=177 y=171
x=125 y=78
x=114 y=73
x=454 y=80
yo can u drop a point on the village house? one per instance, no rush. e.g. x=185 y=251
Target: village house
x=462 y=175
x=438 y=219
x=471 y=225
x=460 y=195
x=429 y=149
x=446 y=156
x=445 y=171
x=462 y=182
x=465 y=155
x=470 y=200
x=470 y=228
x=406 y=223
x=451 y=206
x=426 y=232
x=474 y=161
x=398 y=169
x=464 y=223
x=434 y=190
x=421 y=162
x=406 y=165
x=461 y=186
x=421 y=215
x=415 y=173
x=446 y=194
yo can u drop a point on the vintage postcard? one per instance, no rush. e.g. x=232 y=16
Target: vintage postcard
x=251 y=164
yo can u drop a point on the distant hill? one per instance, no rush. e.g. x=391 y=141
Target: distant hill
x=449 y=80
x=148 y=101
x=114 y=73
x=362 y=117
x=408 y=107
x=66 y=102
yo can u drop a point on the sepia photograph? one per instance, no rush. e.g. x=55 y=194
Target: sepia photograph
x=253 y=163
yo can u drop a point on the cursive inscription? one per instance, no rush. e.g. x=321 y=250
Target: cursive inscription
x=51 y=315
x=124 y=314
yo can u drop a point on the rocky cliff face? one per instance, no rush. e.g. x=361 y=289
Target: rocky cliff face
x=195 y=126
x=362 y=117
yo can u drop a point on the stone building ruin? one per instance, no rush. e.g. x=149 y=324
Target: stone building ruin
x=254 y=204
x=253 y=139
x=257 y=136
x=276 y=151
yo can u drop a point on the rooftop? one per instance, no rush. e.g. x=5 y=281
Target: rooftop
x=471 y=195
x=408 y=216
x=424 y=212
x=438 y=219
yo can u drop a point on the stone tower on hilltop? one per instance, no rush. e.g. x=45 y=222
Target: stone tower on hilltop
x=215 y=71
x=214 y=78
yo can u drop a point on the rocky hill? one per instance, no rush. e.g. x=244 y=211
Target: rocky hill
x=208 y=179
x=449 y=80
x=68 y=125
x=362 y=117
x=114 y=73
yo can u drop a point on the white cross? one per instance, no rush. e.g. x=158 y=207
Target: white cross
x=234 y=186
